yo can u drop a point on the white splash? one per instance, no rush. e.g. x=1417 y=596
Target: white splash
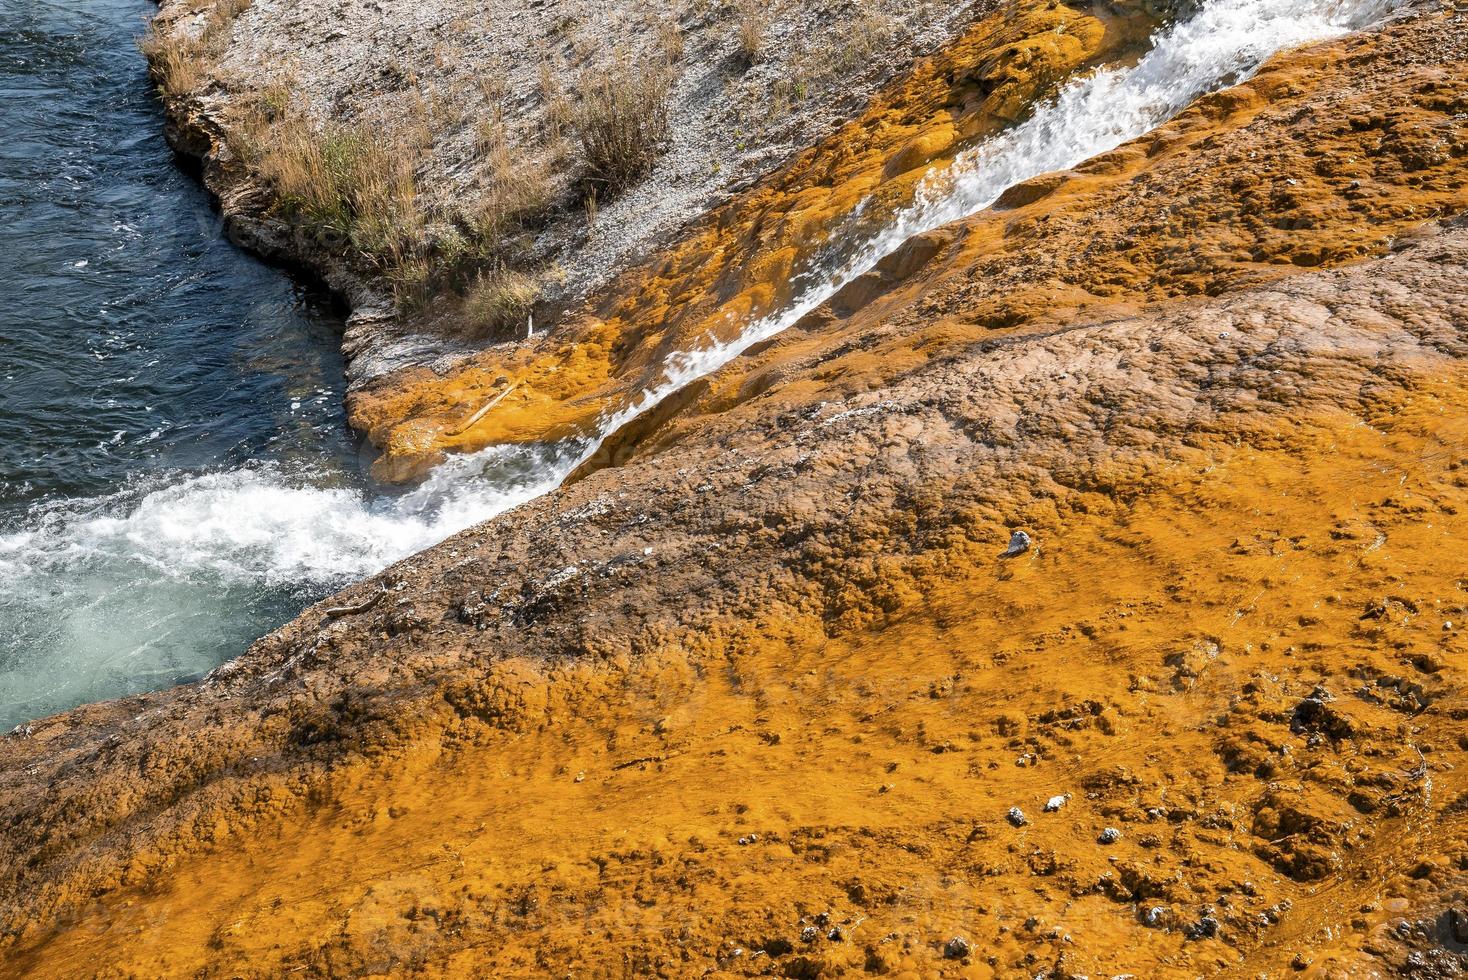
x=158 y=583
x=258 y=524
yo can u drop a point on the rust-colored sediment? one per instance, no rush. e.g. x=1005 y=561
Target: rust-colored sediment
x=755 y=694
x=814 y=700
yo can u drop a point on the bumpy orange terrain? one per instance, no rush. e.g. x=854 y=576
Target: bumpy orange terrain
x=756 y=693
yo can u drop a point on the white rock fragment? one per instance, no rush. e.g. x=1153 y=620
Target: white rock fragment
x=1019 y=543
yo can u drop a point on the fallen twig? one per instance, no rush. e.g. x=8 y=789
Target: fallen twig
x=360 y=607
x=485 y=410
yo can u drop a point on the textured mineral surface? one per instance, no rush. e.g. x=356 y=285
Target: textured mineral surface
x=774 y=687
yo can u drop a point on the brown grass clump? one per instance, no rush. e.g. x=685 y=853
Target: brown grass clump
x=621 y=125
x=499 y=302
x=179 y=59
x=751 y=19
x=175 y=60
x=556 y=105
x=348 y=184
x=521 y=189
x=670 y=37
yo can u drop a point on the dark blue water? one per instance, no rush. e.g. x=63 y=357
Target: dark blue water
x=139 y=351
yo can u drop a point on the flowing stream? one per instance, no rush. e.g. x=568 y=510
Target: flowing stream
x=177 y=478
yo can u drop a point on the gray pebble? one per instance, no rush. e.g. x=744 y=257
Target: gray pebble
x=1019 y=543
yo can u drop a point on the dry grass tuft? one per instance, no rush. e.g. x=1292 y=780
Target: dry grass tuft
x=175 y=60
x=670 y=36
x=353 y=188
x=350 y=185
x=556 y=106
x=179 y=58
x=751 y=21
x=521 y=190
x=499 y=302
x=621 y=125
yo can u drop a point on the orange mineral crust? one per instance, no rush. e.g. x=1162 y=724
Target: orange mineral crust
x=772 y=687
x=763 y=701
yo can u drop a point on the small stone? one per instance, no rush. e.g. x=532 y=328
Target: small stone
x=956 y=948
x=1155 y=916
x=1458 y=922
x=1019 y=543
x=835 y=935
x=1447 y=627
x=1016 y=816
x=810 y=934
x=1056 y=802
x=1205 y=928
x=1109 y=836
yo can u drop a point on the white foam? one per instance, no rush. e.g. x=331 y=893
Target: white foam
x=258 y=524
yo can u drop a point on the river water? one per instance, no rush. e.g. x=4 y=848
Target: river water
x=138 y=350
x=176 y=477
x=176 y=474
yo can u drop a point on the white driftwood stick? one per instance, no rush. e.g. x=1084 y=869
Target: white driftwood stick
x=485 y=410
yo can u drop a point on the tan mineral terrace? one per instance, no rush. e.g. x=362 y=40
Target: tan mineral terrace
x=764 y=690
